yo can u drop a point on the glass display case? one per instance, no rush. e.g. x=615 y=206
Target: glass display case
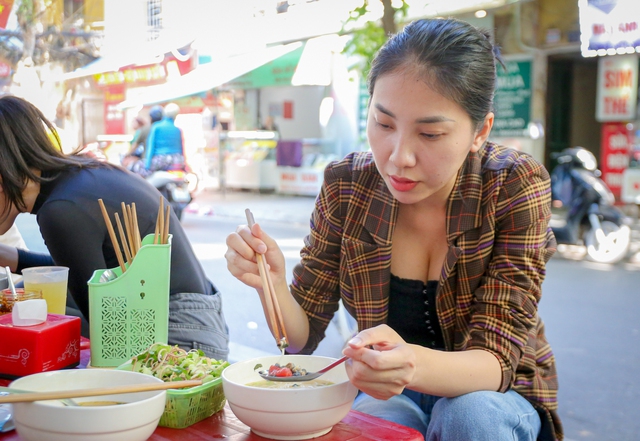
x=301 y=165
x=250 y=160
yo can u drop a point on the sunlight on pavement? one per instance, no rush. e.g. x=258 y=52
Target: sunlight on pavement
x=215 y=251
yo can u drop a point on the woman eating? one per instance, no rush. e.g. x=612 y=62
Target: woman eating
x=436 y=241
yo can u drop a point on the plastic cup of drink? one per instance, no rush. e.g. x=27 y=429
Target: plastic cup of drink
x=51 y=281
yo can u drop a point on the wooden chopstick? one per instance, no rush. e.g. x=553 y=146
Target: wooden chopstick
x=271 y=300
x=165 y=234
x=127 y=224
x=156 y=233
x=160 y=220
x=113 y=390
x=123 y=238
x=132 y=234
x=136 y=229
x=112 y=234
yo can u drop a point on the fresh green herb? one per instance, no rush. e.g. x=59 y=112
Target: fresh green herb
x=171 y=363
x=257 y=366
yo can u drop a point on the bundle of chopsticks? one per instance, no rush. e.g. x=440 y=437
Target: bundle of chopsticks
x=130 y=232
x=161 y=234
x=274 y=314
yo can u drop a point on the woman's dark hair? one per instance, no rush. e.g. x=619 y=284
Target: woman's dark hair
x=27 y=145
x=456 y=59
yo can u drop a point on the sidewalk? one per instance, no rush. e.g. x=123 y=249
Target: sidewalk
x=264 y=206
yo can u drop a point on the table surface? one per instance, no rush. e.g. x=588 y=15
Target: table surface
x=356 y=426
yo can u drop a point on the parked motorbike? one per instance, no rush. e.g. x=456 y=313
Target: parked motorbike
x=583 y=210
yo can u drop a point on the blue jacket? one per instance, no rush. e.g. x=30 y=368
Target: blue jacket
x=164 y=139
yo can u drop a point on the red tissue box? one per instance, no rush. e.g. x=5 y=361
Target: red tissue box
x=26 y=350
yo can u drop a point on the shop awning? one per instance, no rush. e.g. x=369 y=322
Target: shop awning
x=311 y=65
x=114 y=60
x=209 y=76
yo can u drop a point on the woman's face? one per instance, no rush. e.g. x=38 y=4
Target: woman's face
x=419 y=138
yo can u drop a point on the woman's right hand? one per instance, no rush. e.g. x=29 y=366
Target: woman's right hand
x=242 y=249
x=241 y=255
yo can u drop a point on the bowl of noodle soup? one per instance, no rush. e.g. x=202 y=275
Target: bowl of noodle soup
x=121 y=417
x=288 y=410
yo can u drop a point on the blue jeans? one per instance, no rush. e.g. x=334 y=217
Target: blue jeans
x=196 y=321
x=477 y=416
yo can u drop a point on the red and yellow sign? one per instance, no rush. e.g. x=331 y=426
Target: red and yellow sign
x=5 y=10
x=146 y=75
x=134 y=75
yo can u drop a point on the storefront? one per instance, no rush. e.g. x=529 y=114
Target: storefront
x=304 y=88
x=211 y=111
x=611 y=38
x=310 y=97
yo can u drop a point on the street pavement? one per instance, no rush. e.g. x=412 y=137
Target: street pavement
x=264 y=206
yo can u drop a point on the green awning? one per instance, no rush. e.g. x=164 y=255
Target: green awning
x=278 y=72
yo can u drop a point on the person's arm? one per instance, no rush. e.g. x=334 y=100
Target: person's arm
x=242 y=263
x=134 y=143
x=504 y=308
x=9 y=257
x=182 y=151
x=382 y=365
x=29 y=259
x=319 y=256
x=150 y=146
x=505 y=312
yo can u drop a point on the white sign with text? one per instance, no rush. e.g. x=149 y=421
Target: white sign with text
x=617 y=94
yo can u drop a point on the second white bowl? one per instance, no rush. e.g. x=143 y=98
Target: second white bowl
x=288 y=414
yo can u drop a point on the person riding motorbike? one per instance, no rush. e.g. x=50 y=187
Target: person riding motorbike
x=164 y=162
x=165 y=147
x=133 y=160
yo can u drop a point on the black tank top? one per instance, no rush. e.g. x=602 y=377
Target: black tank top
x=412 y=312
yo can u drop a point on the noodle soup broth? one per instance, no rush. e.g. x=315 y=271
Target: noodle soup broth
x=288 y=410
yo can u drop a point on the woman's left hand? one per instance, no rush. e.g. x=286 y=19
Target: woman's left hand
x=385 y=370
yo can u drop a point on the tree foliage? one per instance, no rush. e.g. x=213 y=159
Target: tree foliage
x=43 y=43
x=367 y=40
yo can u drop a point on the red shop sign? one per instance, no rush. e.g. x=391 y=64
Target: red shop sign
x=614 y=155
x=5 y=69
x=113 y=117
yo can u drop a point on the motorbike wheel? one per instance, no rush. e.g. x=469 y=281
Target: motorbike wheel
x=610 y=247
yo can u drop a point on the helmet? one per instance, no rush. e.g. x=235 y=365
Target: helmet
x=156 y=113
x=171 y=110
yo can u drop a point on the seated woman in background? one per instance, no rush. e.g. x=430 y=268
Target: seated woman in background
x=436 y=241
x=63 y=192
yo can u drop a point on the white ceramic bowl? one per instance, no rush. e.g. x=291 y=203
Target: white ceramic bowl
x=135 y=420
x=288 y=414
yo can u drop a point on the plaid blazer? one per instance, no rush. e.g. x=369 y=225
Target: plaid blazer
x=490 y=285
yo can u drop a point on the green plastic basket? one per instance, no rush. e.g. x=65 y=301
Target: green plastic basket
x=188 y=406
x=185 y=407
x=131 y=312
